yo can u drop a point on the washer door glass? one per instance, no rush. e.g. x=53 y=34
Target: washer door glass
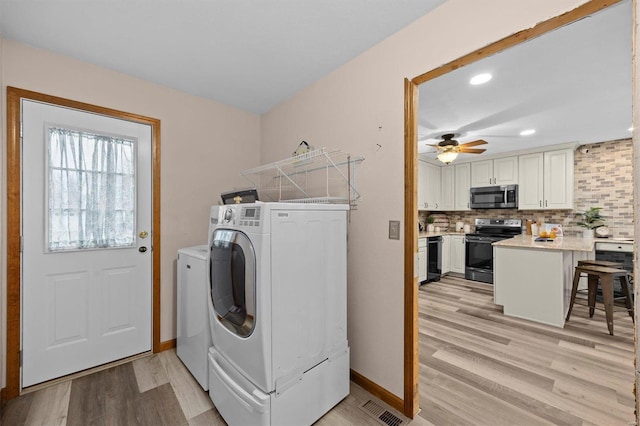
x=233 y=280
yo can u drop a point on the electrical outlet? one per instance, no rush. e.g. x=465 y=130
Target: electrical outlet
x=394 y=229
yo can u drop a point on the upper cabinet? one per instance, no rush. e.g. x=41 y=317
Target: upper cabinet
x=433 y=187
x=462 y=184
x=546 y=180
x=422 y=185
x=501 y=171
x=428 y=186
x=447 y=188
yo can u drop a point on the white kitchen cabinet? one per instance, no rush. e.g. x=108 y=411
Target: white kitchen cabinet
x=446 y=254
x=422 y=259
x=462 y=184
x=546 y=180
x=558 y=179
x=422 y=185
x=432 y=187
x=501 y=171
x=457 y=254
x=447 y=188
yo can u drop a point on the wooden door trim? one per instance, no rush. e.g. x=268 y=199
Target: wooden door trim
x=411 y=359
x=14 y=96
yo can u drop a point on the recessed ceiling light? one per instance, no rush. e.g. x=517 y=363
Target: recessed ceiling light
x=480 y=79
x=527 y=132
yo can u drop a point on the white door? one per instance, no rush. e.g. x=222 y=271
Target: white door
x=86 y=216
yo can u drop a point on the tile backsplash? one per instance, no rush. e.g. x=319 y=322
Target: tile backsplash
x=603 y=177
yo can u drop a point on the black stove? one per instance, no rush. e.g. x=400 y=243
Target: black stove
x=479 y=248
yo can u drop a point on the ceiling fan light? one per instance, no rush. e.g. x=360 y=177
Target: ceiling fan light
x=447 y=156
x=527 y=132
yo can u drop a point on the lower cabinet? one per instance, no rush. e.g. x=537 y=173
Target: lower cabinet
x=452 y=253
x=422 y=259
x=446 y=256
x=457 y=254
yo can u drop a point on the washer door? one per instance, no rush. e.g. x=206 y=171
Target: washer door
x=232 y=280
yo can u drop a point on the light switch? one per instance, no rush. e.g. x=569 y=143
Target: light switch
x=394 y=229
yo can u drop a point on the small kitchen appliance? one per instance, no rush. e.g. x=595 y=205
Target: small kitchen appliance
x=479 y=246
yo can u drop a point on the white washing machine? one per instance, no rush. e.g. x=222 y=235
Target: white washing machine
x=194 y=336
x=278 y=311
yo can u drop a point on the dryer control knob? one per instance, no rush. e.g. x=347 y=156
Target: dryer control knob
x=228 y=215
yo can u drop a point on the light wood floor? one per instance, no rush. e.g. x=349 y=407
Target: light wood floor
x=477 y=367
x=155 y=390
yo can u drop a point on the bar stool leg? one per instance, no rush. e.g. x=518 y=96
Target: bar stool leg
x=626 y=289
x=574 y=290
x=607 y=294
x=592 y=292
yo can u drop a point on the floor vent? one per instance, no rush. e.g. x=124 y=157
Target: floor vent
x=383 y=416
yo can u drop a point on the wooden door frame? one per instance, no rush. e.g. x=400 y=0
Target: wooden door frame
x=411 y=359
x=14 y=204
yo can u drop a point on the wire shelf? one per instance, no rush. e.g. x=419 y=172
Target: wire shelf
x=318 y=176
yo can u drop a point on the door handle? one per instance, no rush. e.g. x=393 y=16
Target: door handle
x=143 y=234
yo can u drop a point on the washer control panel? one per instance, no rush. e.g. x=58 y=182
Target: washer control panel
x=250 y=216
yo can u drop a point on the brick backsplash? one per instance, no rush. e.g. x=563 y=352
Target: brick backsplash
x=603 y=177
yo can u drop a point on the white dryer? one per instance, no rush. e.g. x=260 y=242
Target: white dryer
x=194 y=336
x=278 y=311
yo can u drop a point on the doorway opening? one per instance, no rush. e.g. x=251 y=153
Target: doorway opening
x=411 y=391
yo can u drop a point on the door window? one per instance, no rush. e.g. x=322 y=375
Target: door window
x=91 y=190
x=233 y=280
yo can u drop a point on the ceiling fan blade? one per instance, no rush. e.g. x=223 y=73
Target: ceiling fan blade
x=474 y=143
x=464 y=150
x=433 y=144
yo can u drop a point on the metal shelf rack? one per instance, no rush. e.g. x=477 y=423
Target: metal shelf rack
x=318 y=176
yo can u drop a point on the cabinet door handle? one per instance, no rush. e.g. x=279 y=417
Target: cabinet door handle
x=545 y=203
x=436 y=205
x=540 y=203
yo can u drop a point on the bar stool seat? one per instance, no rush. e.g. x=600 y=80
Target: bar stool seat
x=595 y=262
x=603 y=275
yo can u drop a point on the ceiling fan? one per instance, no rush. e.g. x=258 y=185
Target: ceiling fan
x=449 y=148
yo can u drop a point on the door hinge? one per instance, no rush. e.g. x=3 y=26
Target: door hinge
x=20 y=357
x=21 y=244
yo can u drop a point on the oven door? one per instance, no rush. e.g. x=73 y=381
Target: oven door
x=479 y=258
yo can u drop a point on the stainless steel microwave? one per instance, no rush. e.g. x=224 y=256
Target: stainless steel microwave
x=494 y=197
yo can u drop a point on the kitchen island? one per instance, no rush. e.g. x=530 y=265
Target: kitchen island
x=533 y=280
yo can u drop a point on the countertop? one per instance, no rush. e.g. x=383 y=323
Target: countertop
x=564 y=243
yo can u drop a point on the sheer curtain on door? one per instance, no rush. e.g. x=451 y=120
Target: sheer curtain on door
x=92 y=191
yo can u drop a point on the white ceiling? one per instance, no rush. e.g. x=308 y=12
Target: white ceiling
x=251 y=54
x=571 y=85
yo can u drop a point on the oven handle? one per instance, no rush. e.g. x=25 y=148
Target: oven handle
x=480 y=240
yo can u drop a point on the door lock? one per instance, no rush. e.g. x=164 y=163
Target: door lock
x=142 y=249
x=143 y=234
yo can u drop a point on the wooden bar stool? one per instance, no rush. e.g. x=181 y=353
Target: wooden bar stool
x=606 y=263
x=603 y=275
